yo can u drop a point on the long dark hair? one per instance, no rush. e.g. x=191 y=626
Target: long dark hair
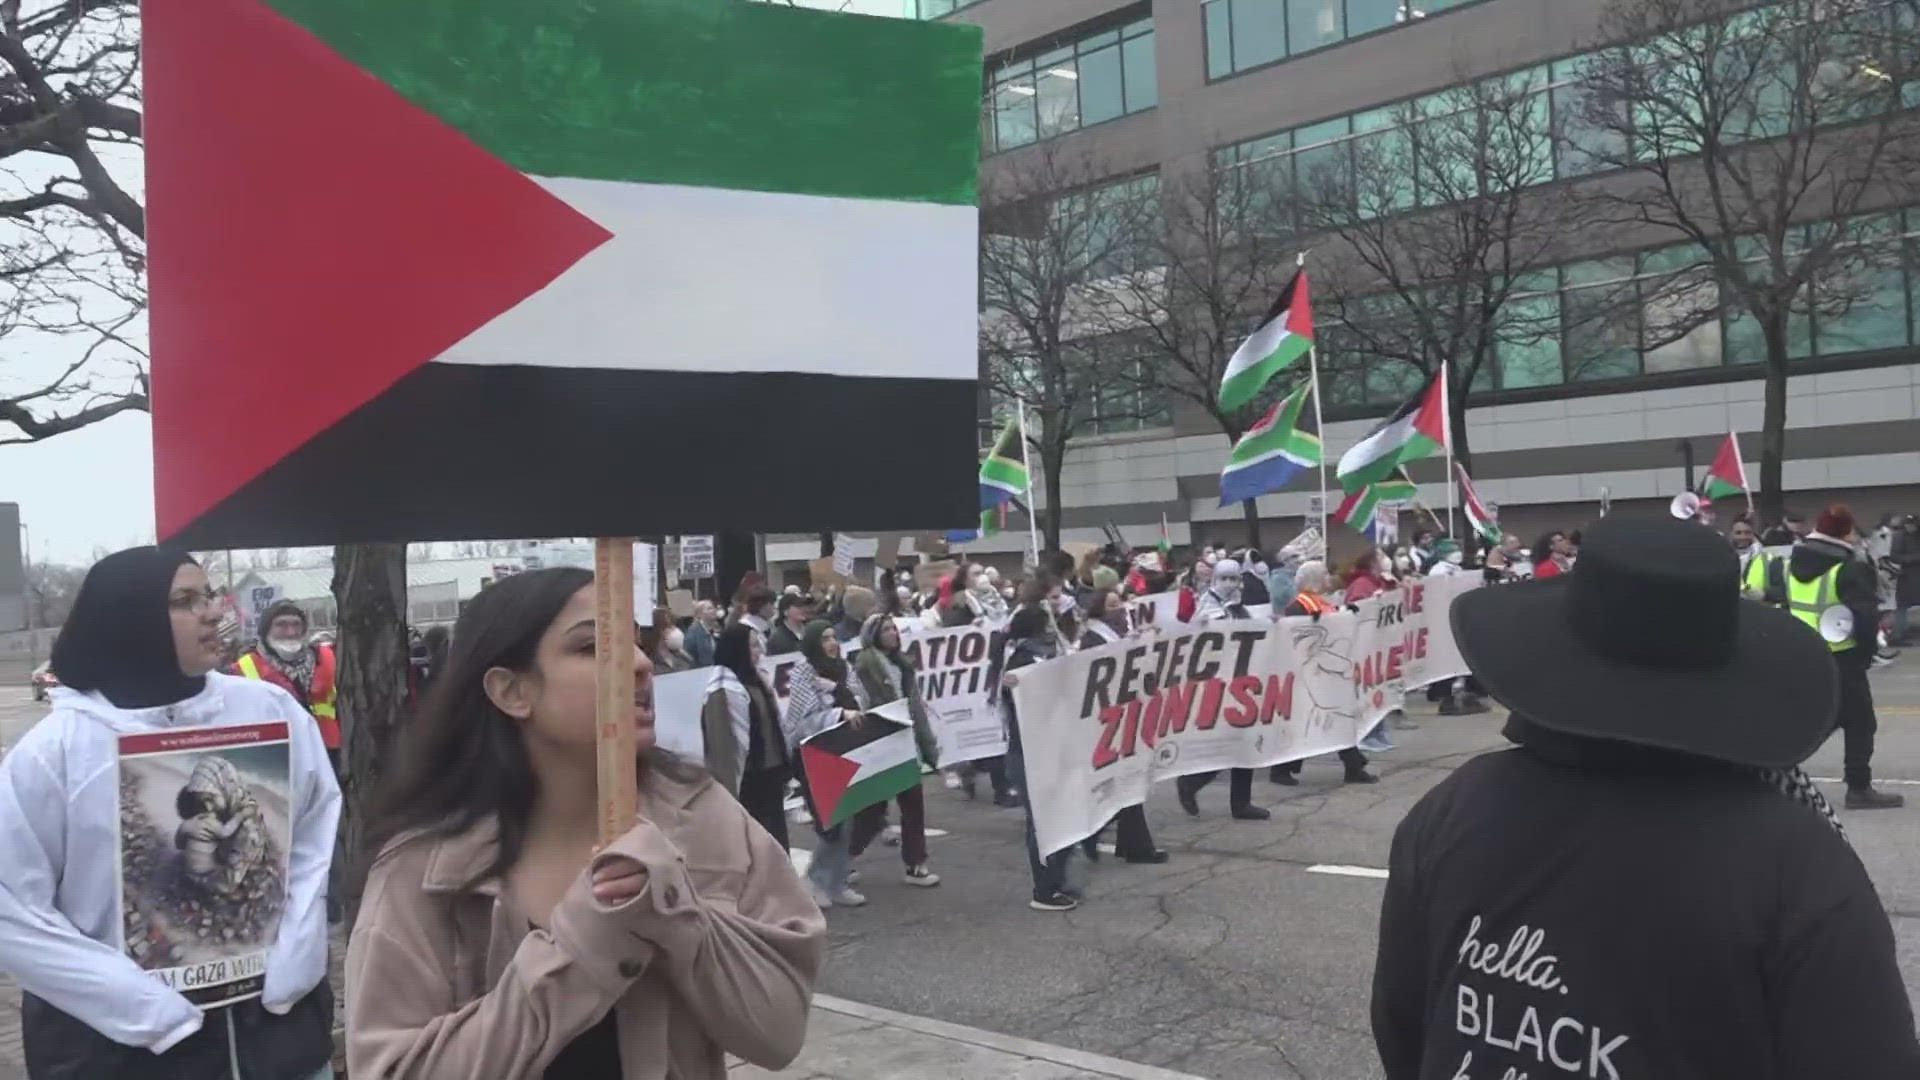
x=734 y=651
x=462 y=760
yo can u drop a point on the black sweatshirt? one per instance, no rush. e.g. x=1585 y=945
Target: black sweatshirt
x=1575 y=908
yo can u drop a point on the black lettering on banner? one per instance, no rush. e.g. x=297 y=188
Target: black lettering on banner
x=972 y=647
x=1099 y=685
x=1130 y=673
x=1200 y=665
x=1176 y=659
x=1244 y=641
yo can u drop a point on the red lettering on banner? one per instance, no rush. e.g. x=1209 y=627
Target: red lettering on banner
x=1279 y=699
x=1210 y=693
x=1393 y=661
x=1104 y=754
x=1420 y=644
x=1179 y=702
x=1416 y=598
x=1150 y=719
x=1245 y=710
x=1132 y=728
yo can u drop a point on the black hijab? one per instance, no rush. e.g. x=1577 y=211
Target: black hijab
x=119 y=637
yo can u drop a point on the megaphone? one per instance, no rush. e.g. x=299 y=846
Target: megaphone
x=1685 y=506
x=1836 y=624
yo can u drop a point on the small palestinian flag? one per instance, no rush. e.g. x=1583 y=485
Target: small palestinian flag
x=1357 y=509
x=850 y=769
x=1274 y=451
x=1003 y=475
x=1285 y=335
x=1417 y=429
x=1165 y=546
x=427 y=269
x=1727 y=476
x=1483 y=521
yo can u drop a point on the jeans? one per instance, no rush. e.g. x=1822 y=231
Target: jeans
x=1378 y=740
x=832 y=861
x=1050 y=873
x=1856 y=719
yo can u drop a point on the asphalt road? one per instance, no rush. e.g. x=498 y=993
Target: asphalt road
x=1237 y=960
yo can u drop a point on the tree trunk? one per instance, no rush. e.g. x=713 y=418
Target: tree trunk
x=1053 y=463
x=1251 y=508
x=1772 y=500
x=370 y=587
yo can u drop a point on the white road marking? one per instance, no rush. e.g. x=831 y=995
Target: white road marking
x=1876 y=780
x=1348 y=871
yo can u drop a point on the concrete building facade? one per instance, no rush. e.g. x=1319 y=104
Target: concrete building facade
x=1064 y=78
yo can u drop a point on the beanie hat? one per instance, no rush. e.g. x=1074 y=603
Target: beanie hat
x=1836 y=521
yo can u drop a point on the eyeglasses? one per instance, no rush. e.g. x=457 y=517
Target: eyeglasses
x=194 y=603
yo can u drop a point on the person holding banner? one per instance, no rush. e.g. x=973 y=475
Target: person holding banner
x=1107 y=622
x=497 y=937
x=103 y=818
x=1311 y=585
x=1221 y=600
x=761 y=761
x=1647 y=885
x=887 y=674
x=1031 y=639
x=824 y=692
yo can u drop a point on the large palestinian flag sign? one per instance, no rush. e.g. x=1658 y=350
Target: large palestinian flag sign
x=489 y=268
x=851 y=768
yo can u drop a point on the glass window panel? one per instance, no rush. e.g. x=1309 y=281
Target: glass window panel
x=1745 y=344
x=1392 y=380
x=1219 y=15
x=1529 y=355
x=1325 y=173
x=1259 y=32
x=1675 y=339
x=1135 y=29
x=1101 y=93
x=1058 y=99
x=1581 y=145
x=1053 y=59
x=1313 y=24
x=1364 y=16
x=1014 y=122
x=1143 y=81
x=1876 y=318
x=1383 y=171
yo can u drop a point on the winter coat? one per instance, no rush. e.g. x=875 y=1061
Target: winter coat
x=883 y=682
x=1906 y=556
x=1858 y=586
x=1641 y=913
x=90 y=1010
x=716 y=956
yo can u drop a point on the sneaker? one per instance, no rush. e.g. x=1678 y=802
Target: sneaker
x=1058 y=901
x=921 y=876
x=1361 y=776
x=952 y=780
x=1251 y=813
x=1884 y=657
x=1006 y=802
x=848 y=898
x=891 y=837
x=1473 y=704
x=821 y=897
x=853 y=877
x=1866 y=798
x=1146 y=858
x=1283 y=776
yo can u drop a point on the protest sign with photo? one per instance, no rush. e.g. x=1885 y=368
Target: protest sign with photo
x=205 y=831
x=1099 y=727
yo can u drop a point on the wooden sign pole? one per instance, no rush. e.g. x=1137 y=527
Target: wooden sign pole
x=613 y=712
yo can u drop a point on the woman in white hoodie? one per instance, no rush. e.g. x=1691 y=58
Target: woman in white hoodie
x=207 y=802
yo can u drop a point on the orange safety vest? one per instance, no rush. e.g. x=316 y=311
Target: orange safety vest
x=321 y=701
x=1312 y=603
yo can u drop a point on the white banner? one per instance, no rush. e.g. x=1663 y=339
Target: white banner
x=1099 y=727
x=1160 y=609
x=953 y=666
x=696 y=556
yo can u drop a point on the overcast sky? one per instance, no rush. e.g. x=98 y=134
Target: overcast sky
x=93 y=488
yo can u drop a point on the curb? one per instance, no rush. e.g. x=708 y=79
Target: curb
x=1006 y=1044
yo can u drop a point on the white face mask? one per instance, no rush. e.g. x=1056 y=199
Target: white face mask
x=676 y=638
x=287 y=648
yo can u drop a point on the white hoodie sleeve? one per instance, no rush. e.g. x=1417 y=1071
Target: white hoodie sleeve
x=39 y=946
x=298 y=960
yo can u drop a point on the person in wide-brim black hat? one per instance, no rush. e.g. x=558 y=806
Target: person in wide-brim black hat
x=1629 y=879
x=1648 y=642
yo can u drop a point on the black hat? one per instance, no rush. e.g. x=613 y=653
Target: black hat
x=1647 y=640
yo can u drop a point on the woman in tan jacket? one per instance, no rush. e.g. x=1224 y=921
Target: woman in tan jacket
x=494 y=941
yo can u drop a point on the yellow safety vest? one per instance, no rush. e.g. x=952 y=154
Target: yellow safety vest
x=1808 y=599
x=1754 y=580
